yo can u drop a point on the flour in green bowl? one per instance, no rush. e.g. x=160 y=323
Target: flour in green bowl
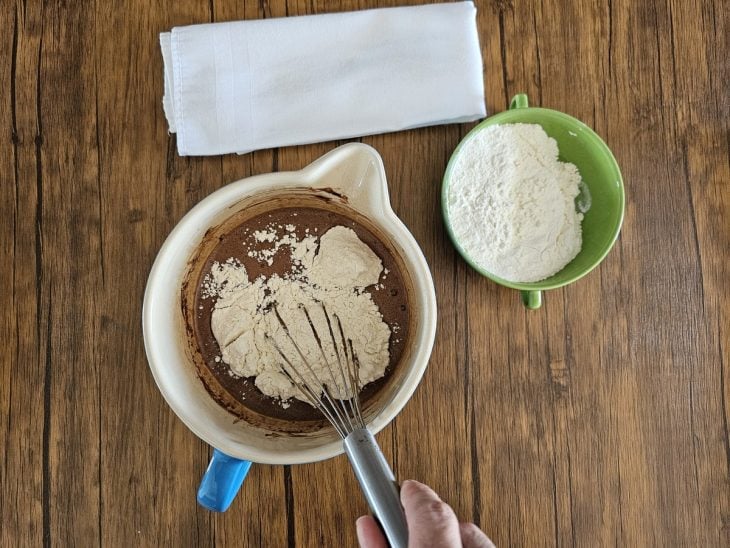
x=511 y=203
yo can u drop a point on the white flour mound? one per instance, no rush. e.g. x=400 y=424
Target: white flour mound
x=334 y=275
x=512 y=203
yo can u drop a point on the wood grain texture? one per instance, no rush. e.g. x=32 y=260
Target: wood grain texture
x=600 y=420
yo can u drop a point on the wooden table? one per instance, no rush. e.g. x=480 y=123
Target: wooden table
x=599 y=420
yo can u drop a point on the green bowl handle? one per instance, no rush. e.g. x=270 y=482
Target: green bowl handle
x=519 y=101
x=531 y=299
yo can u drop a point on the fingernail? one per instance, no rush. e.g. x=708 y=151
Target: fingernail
x=413 y=484
x=409 y=484
x=412 y=487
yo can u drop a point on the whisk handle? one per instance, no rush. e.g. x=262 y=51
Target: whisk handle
x=378 y=484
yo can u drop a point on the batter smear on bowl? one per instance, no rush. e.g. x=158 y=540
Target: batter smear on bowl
x=291 y=262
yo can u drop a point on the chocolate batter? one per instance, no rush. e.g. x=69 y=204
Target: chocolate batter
x=391 y=299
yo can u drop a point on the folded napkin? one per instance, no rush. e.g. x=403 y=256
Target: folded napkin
x=249 y=85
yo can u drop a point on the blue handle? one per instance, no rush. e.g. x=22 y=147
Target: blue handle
x=221 y=481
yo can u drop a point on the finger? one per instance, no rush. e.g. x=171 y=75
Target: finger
x=473 y=537
x=369 y=534
x=431 y=522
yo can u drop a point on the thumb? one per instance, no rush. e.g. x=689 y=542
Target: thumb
x=431 y=522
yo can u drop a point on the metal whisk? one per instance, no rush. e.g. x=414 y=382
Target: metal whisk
x=344 y=413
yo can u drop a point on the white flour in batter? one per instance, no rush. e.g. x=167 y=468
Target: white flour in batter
x=334 y=270
x=512 y=203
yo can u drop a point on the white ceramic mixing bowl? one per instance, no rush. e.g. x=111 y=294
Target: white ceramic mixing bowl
x=353 y=174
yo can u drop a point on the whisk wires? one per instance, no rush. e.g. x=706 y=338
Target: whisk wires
x=339 y=404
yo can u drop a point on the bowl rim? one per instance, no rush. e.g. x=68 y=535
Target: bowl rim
x=503 y=117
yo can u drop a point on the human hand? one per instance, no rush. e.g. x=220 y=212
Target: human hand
x=431 y=522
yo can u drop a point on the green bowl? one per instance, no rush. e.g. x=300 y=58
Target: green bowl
x=579 y=145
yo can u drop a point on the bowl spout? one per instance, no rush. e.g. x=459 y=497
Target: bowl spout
x=356 y=171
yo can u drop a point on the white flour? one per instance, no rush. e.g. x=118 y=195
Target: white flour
x=334 y=275
x=511 y=203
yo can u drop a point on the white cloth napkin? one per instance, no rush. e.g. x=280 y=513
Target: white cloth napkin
x=249 y=85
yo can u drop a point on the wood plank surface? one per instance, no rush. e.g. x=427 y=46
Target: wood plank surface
x=599 y=420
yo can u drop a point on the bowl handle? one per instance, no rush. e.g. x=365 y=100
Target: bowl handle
x=531 y=299
x=519 y=101
x=221 y=481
